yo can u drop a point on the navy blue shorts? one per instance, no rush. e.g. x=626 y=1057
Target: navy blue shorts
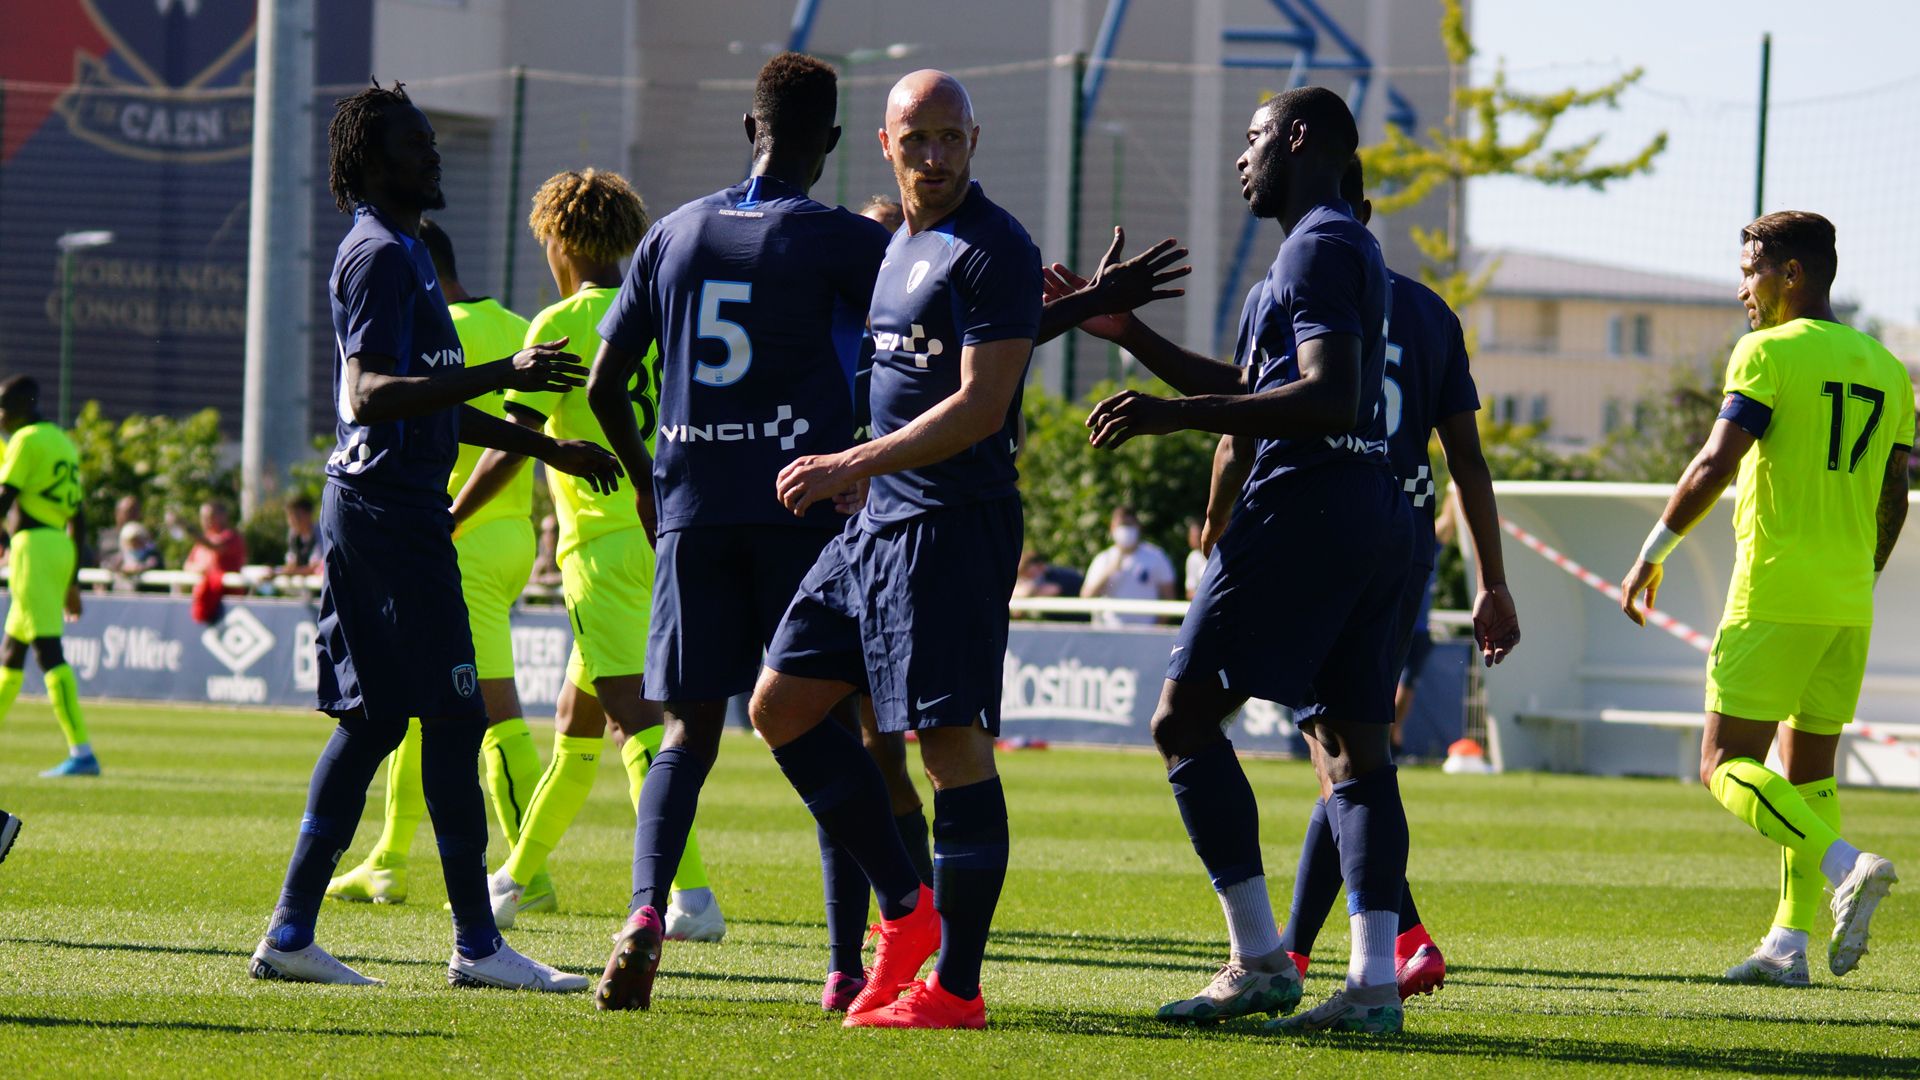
x=718 y=594
x=1415 y=604
x=914 y=614
x=393 y=636
x=1301 y=602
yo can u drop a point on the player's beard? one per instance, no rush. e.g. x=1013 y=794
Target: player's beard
x=1267 y=191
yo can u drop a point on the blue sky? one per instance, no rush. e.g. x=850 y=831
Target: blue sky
x=1846 y=108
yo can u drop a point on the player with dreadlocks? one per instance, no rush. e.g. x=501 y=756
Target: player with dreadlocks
x=393 y=640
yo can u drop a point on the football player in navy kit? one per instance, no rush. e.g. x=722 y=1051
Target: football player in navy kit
x=393 y=641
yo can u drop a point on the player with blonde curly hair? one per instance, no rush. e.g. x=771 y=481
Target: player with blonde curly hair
x=588 y=220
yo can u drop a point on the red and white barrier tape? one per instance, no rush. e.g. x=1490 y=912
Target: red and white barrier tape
x=1661 y=619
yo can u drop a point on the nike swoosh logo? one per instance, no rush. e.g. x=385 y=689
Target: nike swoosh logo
x=923 y=706
x=432 y=285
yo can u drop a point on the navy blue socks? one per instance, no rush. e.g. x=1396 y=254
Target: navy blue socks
x=448 y=751
x=969 y=866
x=335 y=797
x=913 y=833
x=1372 y=828
x=669 y=797
x=1223 y=820
x=846 y=895
x=1316 y=885
x=842 y=787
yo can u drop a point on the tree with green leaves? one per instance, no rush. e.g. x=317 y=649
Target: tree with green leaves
x=1479 y=138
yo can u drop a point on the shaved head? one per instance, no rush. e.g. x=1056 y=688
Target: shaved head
x=927 y=87
x=929 y=140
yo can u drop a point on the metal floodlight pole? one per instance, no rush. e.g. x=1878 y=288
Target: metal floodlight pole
x=1076 y=155
x=68 y=243
x=1760 y=150
x=274 y=424
x=516 y=145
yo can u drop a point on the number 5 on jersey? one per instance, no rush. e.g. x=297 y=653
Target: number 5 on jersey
x=731 y=335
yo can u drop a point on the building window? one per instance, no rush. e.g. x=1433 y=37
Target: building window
x=1616 y=334
x=1642 y=335
x=1641 y=417
x=1537 y=410
x=1507 y=409
x=1546 y=333
x=1610 y=417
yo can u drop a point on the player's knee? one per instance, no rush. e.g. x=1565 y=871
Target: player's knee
x=48 y=652
x=13 y=653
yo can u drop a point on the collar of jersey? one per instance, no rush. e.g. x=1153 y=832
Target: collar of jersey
x=759 y=189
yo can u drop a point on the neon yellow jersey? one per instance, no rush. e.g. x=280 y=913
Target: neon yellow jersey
x=43 y=466
x=489 y=332
x=583 y=513
x=1805 y=517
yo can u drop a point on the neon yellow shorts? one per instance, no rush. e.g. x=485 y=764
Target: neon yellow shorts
x=1808 y=676
x=608 y=586
x=40 y=562
x=496 y=558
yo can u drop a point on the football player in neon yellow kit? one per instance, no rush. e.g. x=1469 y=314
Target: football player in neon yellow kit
x=493 y=539
x=40 y=503
x=1818 y=423
x=588 y=221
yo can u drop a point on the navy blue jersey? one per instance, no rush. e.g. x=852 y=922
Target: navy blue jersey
x=1427 y=382
x=757 y=295
x=972 y=279
x=387 y=302
x=1328 y=278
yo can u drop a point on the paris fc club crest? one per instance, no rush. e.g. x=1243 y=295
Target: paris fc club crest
x=465 y=680
x=174 y=84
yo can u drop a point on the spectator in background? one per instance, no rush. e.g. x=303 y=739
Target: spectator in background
x=217 y=544
x=1038 y=577
x=1131 y=569
x=138 y=553
x=1196 y=556
x=303 y=548
x=546 y=558
x=884 y=210
x=126 y=511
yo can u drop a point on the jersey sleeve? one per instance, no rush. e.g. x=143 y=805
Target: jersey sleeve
x=1322 y=284
x=377 y=282
x=1752 y=388
x=629 y=324
x=1000 y=296
x=543 y=402
x=17 y=466
x=1903 y=428
x=1457 y=392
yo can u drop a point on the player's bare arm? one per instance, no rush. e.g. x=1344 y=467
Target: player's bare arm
x=375 y=395
x=1117 y=287
x=1496 y=625
x=990 y=373
x=76 y=528
x=575 y=457
x=1179 y=367
x=1232 y=463
x=1701 y=485
x=613 y=371
x=1324 y=400
x=495 y=469
x=1891 y=514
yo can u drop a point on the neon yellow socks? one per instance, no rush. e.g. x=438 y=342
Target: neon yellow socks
x=1801 y=882
x=406 y=803
x=63 y=691
x=636 y=755
x=561 y=792
x=512 y=771
x=11 y=680
x=1766 y=801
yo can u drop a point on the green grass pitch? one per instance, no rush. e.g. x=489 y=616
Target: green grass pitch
x=1583 y=919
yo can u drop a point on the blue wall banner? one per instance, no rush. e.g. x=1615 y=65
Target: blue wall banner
x=1062 y=682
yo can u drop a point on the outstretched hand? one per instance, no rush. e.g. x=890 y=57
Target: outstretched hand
x=1132 y=283
x=545 y=367
x=1058 y=282
x=589 y=461
x=1129 y=413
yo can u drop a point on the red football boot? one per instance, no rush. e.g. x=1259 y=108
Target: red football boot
x=905 y=943
x=1418 y=968
x=840 y=991
x=1300 y=960
x=925 y=1005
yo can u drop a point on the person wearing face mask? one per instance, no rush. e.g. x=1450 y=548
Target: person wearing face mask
x=1131 y=569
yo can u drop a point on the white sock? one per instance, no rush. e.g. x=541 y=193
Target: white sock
x=1251 y=931
x=1371 y=962
x=1838 y=862
x=1782 y=942
x=695 y=901
x=84 y=749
